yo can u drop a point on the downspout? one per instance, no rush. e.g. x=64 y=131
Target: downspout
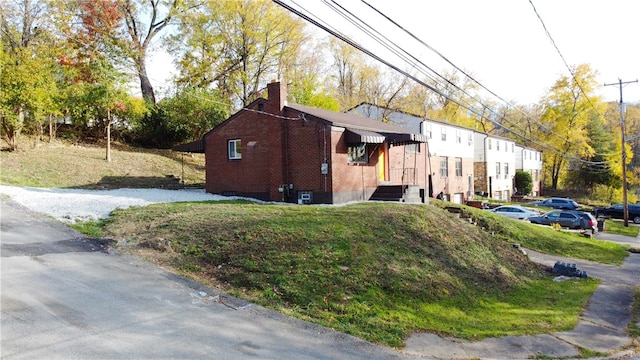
x=427 y=158
x=404 y=159
x=486 y=168
x=364 y=193
x=428 y=188
x=415 y=164
x=285 y=171
x=324 y=130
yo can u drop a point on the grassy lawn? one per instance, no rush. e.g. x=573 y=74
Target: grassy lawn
x=617 y=227
x=62 y=164
x=376 y=271
x=544 y=238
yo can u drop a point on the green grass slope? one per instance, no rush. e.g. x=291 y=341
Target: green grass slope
x=377 y=271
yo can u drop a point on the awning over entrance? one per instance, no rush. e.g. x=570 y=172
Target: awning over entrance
x=405 y=138
x=192 y=147
x=356 y=136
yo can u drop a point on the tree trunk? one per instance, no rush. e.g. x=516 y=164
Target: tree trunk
x=145 y=85
x=108 y=158
x=52 y=135
x=16 y=130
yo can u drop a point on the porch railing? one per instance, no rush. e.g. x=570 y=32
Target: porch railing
x=403 y=176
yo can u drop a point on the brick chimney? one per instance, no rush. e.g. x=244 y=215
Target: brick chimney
x=277 y=97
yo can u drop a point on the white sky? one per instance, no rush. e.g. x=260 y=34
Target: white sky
x=501 y=43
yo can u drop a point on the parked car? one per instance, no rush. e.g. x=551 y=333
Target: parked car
x=571 y=219
x=589 y=222
x=515 y=212
x=617 y=212
x=558 y=203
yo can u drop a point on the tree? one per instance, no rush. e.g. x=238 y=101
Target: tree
x=588 y=171
x=186 y=116
x=524 y=183
x=27 y=82
x=159 y=15
x=127 y=29
x=452 y=103
x=453 y=93
x=197 y=110
x=97 y=85
x=356 y=80
x=307 y=85
x=567 y=108
x=235 y=46
x=307 y=91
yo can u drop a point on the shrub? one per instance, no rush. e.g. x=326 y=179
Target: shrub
x=524 y=183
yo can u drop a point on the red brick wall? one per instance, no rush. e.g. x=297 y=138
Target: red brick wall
x=305 y=139
x=286 y=149
x=259 y=171
x=452 y=184
x=401 y=158
x=352 y=182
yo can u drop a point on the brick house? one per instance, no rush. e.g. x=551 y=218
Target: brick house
x=450 y=155
x=278 y=151
x=495 y=166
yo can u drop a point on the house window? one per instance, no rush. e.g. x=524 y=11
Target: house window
x=413 y=148
x=489 y=143
x=469 y=139
x=234 y=149
x=443 y=134
x=428 y=131
x=444 y=166
x=458 y=167
x=513 y=148
x=358 y=154
x=498 y=145
x=506 y=170
x=497 y=169
x=458 y=136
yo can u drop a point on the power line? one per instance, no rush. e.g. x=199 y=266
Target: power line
x=573 y=76
x=563 y=138
x=351 y=42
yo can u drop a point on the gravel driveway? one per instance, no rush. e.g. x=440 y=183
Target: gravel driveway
x=71 y=205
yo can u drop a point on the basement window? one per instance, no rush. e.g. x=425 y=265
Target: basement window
x=234 y=149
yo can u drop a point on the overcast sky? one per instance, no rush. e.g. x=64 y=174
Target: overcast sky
x=501 y=43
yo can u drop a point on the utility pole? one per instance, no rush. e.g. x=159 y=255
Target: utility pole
x=625 y=204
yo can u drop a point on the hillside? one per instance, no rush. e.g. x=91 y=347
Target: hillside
x=65 y=164
x=379 y=271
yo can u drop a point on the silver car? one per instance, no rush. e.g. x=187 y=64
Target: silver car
x=515 y=212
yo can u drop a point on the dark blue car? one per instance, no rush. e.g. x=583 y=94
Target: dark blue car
x=567 y=219
x=617 y=212
x=558 y=203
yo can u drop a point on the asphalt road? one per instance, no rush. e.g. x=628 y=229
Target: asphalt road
x=69 y=297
